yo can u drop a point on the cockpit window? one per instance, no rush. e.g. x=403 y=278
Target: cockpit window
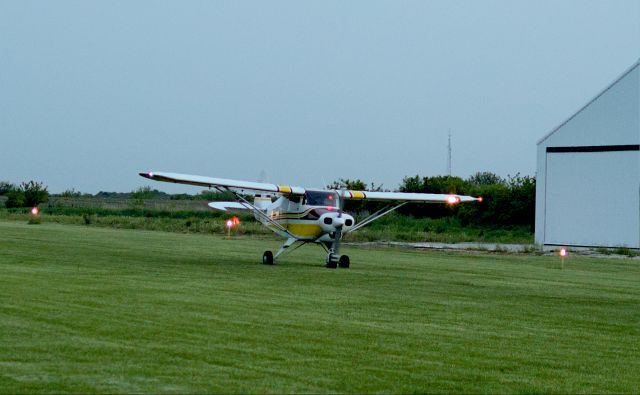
x=316 y=198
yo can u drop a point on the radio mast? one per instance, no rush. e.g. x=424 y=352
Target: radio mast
x=449 y=155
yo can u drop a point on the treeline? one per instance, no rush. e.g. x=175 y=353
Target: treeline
x=33 y=193
x=506 y=202
x=27 y=194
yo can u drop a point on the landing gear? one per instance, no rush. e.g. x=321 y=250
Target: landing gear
x=333 y=258
x=333 y=261
x=267 y=258
x=343 y=262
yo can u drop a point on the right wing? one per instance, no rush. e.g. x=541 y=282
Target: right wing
x=211 y=182
x=408 y=197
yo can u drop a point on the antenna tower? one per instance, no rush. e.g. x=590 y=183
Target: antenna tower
x=449 y=155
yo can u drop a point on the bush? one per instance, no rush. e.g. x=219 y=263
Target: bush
x=509 y=202
x=34 y=220
x=15 y=198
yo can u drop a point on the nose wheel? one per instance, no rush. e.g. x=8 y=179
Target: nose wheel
x=334 y=261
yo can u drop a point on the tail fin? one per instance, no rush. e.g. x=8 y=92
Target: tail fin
x=262 y=201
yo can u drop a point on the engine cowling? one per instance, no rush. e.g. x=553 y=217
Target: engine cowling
x=331 y=222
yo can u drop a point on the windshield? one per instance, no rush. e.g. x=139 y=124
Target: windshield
x=315 y=198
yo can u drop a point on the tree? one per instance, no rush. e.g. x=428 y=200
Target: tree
x=29 y=194
x=71 y=193
x=34 y=193
x=142 y=193
x=482 y=178
x=6 y=187
x=436 y=184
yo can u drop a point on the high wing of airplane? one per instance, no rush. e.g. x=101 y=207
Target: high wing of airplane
x=303 y=215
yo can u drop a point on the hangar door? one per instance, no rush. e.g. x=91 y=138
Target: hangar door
x=592 y=196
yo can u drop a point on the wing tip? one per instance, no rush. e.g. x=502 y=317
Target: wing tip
x=148 y=174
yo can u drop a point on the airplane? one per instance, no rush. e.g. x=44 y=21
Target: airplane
x=304 y=215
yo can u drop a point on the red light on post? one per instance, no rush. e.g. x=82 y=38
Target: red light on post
x=34 y=211
x=229 y=223
x=563 y=252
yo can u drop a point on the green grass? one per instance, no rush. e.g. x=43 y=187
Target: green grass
x=390 y=228
x=87 y=309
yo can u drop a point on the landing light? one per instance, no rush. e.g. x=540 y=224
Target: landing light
x=150 y=174
x=452 y=199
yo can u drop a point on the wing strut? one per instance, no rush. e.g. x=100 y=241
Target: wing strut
x=378 y=214
x=258 y=211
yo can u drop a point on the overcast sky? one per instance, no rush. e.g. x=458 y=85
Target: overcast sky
x=93 y=92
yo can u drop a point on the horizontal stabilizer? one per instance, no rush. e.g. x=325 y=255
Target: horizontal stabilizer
x=229 y=206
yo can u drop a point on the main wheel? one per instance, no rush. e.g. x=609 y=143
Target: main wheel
x=267 y=258
x=344 y=262
x=332 y=262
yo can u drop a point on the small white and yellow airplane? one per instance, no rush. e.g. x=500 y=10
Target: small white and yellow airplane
x=301 y=214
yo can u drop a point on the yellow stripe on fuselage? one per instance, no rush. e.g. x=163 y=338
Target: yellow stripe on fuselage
x=302 y=230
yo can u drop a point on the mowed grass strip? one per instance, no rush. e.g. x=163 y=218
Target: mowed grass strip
x=101 y=310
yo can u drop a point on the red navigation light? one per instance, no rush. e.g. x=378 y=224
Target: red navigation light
x=34 y=211
x=480 y=199
x=452 y=199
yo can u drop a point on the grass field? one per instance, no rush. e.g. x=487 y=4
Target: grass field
x=87 y=309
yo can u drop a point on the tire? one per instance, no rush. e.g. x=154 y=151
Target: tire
x=267 y=258
x=332 y=262
x=344 y=262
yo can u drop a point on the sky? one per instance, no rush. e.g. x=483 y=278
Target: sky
x=93 y=92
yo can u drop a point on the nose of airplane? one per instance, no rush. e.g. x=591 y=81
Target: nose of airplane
x=330 y=222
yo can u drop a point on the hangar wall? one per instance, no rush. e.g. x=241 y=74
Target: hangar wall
x=588 y=172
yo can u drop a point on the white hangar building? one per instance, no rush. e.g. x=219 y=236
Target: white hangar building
x=588 y=173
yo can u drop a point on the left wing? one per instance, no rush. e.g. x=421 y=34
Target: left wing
x=408 y=197
x=211 y=182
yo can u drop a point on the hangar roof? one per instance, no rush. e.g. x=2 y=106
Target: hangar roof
x=629 y=70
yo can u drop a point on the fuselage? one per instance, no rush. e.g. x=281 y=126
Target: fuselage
x=314 y=216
